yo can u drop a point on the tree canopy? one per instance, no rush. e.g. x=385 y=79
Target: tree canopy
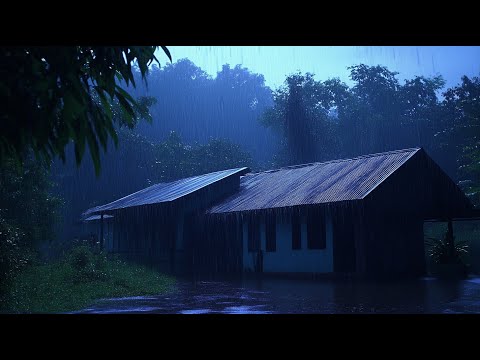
x=461 y=131
x=376 y=114
x=324 y=120
x=53 y=95
x=199 y=106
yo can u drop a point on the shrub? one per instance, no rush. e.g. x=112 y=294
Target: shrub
x=88 y=266
x=439 y=250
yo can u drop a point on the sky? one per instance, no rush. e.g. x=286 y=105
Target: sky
x=275 y=62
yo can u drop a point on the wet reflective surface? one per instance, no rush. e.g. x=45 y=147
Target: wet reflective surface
x=264 y=296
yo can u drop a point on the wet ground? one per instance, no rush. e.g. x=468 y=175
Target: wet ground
x=264 y=296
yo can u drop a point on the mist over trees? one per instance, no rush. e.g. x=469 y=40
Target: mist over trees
x=82 y=126
x=199 y=107
x=324 y=120
x=376 y=114
x=136 y=164
x=300 y=118
x=202 y=124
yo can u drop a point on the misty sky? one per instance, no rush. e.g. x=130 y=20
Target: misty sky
x=275 y=62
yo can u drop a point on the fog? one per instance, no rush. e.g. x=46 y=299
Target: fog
x=372 y=150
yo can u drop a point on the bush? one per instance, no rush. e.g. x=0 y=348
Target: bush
x=80 y=258
x=439 y=250
x=87 y=265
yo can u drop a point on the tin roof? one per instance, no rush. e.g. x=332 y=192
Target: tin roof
x=166 y=192
x=331 y=181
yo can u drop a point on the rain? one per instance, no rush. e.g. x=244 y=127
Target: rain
x=241 y=180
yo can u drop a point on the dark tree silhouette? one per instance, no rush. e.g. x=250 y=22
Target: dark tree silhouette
x=298 y=124
x=53 y=95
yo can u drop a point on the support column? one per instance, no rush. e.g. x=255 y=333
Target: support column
x=450 y=239
x=101 y=232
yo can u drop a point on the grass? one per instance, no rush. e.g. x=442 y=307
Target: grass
x=70 y=285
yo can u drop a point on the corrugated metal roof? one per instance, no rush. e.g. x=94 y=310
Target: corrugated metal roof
x=165 y=192
x=337 y=180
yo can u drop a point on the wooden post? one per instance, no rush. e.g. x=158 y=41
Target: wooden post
x=450 y=239
x=101 y=232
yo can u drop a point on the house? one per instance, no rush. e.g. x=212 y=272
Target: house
x=156 y=225
x=362 y=215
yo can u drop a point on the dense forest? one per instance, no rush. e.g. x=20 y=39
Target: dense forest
x=191 y=123
x=200 y=107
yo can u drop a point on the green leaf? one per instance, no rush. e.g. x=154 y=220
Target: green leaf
x=167 y=52
x=125 y=94
x=126 y=106
x=49 y=92
x=105 y=103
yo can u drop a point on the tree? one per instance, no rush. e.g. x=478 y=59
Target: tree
x=298 y=123
x=176 y=160
x=136 y=164
x=377 y=107
x=51 y=96
x=28 y=212
x=301 y=117
x=421 y=107
x=333 y=120
x=199 y=107
x=461 y=132
x=125 y=169
x=26 y=200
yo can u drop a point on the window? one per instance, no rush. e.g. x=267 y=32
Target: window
x=296 y=233
x=270 y=234
x=316 y=237
x=253 y=236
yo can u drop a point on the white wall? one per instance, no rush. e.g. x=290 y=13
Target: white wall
x=284 y=259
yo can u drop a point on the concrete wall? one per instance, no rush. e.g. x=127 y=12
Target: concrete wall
x=284 y=259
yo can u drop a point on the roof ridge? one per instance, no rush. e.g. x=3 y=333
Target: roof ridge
x=170 y=182
x=338 y=160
